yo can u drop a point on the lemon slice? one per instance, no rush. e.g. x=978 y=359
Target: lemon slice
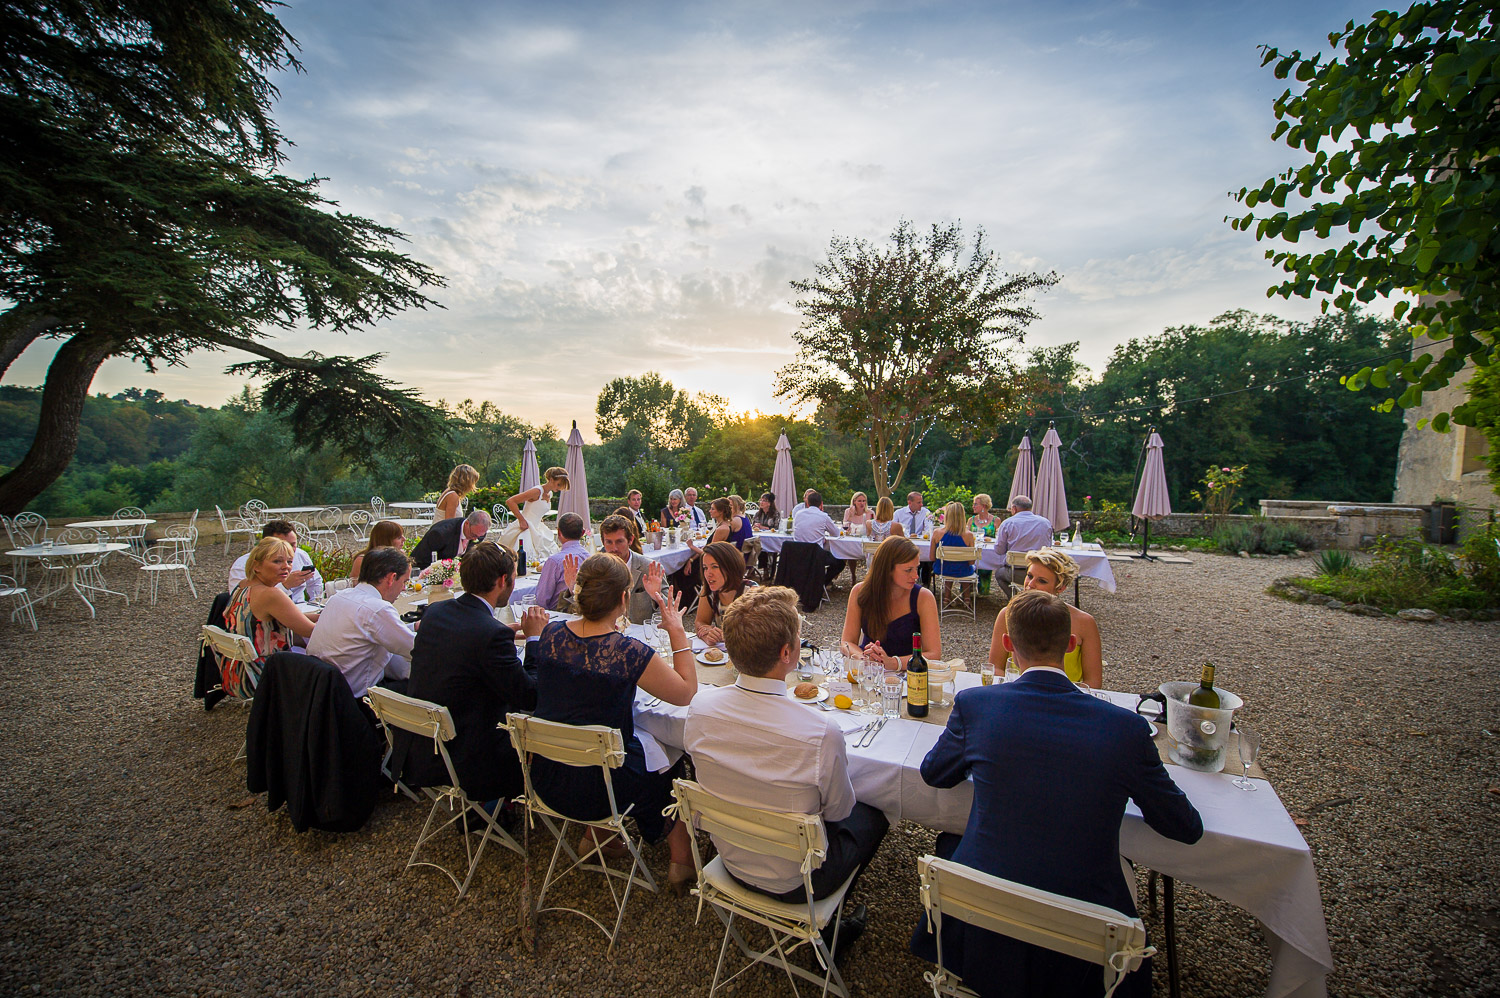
x=842 y=702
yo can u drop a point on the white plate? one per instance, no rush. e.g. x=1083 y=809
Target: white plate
x=822 y=695
x=706 y=661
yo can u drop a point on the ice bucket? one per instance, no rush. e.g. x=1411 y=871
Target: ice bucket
x=1199 y=736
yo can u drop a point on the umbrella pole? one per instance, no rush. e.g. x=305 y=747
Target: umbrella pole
x=1145 y=541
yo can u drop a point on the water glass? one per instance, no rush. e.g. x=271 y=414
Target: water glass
x=890 y=694
x=987 y=673
x=1012 y=671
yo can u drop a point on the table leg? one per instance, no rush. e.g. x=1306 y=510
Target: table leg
x=1168 y=893
x=73 y=582
x=1075 y=594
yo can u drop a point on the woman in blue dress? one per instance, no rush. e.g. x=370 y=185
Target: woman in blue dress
x=587 y=673
x=954 y=533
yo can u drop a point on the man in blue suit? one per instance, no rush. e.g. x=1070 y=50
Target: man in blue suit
x=1053 y=768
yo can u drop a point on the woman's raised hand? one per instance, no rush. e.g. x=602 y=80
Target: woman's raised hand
x=671 y=614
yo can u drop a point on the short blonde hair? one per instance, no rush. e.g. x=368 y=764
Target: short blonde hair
x=266 y=547
x=758 y=624
x=1065 y=568
x=983 y=499
x=954 y=519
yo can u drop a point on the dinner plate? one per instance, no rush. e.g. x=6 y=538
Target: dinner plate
x=822 y=695
x=706 y=661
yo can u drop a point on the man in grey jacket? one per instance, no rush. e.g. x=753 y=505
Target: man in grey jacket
x=645 y=575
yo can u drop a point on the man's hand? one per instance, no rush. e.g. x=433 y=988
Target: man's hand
x=571 y=564
x=533 y=620
x=652 y=583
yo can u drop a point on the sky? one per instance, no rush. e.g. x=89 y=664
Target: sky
x=614 y=188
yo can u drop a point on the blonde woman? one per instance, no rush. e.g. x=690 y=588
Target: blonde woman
x=984 y=524
x=859 y=513
x=884 y=524
x=528 y=508
x=1051 y=571
x=461 y=481
x=261 y=610
x=953 y=532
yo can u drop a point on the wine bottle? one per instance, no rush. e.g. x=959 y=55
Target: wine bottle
x=520 y=558
x=1205 y=695
x=916 y=679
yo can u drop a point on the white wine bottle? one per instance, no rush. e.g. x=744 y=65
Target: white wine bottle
x=1205 y=695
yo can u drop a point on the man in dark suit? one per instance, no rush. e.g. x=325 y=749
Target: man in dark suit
x=465 y=659
x=1053 y=768
x=450 y=538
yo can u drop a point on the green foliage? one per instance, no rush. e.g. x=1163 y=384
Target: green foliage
x=1406 y=111
x=668 y=419
x=935 y=497
x=332 y=566
x=1484 y=406
x=1109 y=518
x=1334 y=562
x=654 y=481
x=1406 y=573
x=740 y=455
x=899 y=338
x=1220 y=492
x=1260 y=535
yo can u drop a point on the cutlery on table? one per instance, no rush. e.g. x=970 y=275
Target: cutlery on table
x=874 y=734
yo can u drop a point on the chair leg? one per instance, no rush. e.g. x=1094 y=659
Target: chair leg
x=1174 y=983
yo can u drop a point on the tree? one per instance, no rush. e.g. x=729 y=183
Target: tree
x=669 y=418
x=898 y=339
x=740 y=455
x=1418 y=91
x=140 y=216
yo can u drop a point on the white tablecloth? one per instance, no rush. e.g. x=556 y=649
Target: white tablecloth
x=1251 y=853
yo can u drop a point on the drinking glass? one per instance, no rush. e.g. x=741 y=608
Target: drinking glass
x=852 y=666
x=987 y=673
x=1249 y=749
x=890 y=694
x=1012 y=671
x=871 y=674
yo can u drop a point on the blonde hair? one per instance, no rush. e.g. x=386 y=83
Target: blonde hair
x=1065 y=568
x=954 y=520
x=885 y=510
x=739 y=503
x=758 y=625
x=462 y=479
x=558 y=477
x=983 y=499
x=265 y=548
x=861 y=495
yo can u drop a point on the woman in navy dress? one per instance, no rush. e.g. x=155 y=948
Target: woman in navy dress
x=587 y=673
x=889 y=606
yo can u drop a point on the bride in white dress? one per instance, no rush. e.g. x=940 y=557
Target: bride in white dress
x=528 y=526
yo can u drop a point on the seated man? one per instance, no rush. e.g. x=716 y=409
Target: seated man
x=304 y=583
x=645 y=575
x=690 y=502
x=1023 y=530
x=811 y=526
x=450 y=538
x=552 y=590
x=361 y=633
x=466 y=660
x=633 y=500
x=1053 y=768
x=801 y=505
x=753 y=744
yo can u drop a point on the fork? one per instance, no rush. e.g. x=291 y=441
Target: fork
x=874 y=734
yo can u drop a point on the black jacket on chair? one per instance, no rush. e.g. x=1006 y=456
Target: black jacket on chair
x=206 y=682
x=440 y=542
x=801 y=567
x=310 y=746
x=465 y=660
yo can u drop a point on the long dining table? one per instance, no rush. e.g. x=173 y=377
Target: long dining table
x=1251 y=854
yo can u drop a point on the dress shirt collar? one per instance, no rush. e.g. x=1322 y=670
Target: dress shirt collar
x=1042 y=674
x=761 y=684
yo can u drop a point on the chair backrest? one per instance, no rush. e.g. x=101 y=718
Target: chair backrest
x=76 y=535
x=303 y=531
x=797 y=838
x=194 y=521
x=129 y=513
x=420 y=717
x=377 y=507
x=573 y=744
x=359 y=523
x=952 y=552
x=500 y=514
x=1016 y=559
x=330 y=517
x=28 y=528
x=1084 y=931
x=228 y=645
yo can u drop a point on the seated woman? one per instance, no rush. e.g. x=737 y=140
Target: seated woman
x=674 y=511
x=1051 y=571
x=890 y=606
x=385 y=534
x=767 y=517
x=461 y=481
x=951 y=533
x=723 y=582
x=587 y=673
x=883 y=524
x=859 y=512
x=984 y=524
x=740 y=528
x=528 y=508
x=260 y=609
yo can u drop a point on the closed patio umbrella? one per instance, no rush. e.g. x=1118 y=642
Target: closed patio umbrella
x=531 y=475
x=576 y=499
x=783 y=483
x=1023 y=483
x=1051 y=499
x=1151 y=500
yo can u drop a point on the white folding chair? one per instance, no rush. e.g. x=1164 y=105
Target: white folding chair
x=233 y=647
x=377 y=507
x=1092 y=932
x=239 y=525
x=359 y=524
x=429 y=720
x=10 y=589
x=798 y=838
x=959 y=594
x=184 y=538
x=26 y=529
x=579 y=745
x=134 y=536
x=159 y=561
x=1016 y=560
x=500 y=514
x=325 y=526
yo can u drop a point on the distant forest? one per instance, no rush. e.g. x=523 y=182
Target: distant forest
x=1244 y=389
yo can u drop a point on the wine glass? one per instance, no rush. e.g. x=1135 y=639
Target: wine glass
x=871 y=674
x=1249 y=749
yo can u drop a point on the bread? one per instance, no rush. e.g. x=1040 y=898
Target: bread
x=713 y=655
x=805 y=691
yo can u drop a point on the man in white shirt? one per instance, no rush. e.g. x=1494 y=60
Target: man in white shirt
x=801 y=505
x=304 y=583
x=811 y=526
x=916 y=521
x=753 y=744
x=690 y=500
x=1023 y=530
x=361 y=633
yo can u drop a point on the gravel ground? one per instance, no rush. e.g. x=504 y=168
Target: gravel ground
x=134 y=861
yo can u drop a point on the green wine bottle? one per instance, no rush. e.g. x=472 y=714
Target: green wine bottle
x=1205 y=695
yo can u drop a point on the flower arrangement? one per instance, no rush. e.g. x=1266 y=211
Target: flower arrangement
x=440 y=573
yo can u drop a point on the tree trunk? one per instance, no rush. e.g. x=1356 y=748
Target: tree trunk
x=16 y=334
x=67 y=387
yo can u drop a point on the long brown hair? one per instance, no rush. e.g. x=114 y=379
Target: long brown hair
x=875 y=596
x=385 y=534
x=731 y=563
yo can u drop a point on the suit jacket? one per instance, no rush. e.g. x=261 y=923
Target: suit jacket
x=641 y=523
x=641 y=603
x=440 y=542
x=206 y=681
x=1053 y=768
x=465 y=659
x=309 y=745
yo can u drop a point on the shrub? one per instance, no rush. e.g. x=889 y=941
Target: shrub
x=655 y=482
x=935 y=496
x=1405 y=572
x=1260 y=536
x=1109 y=518
x=1334 y=562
